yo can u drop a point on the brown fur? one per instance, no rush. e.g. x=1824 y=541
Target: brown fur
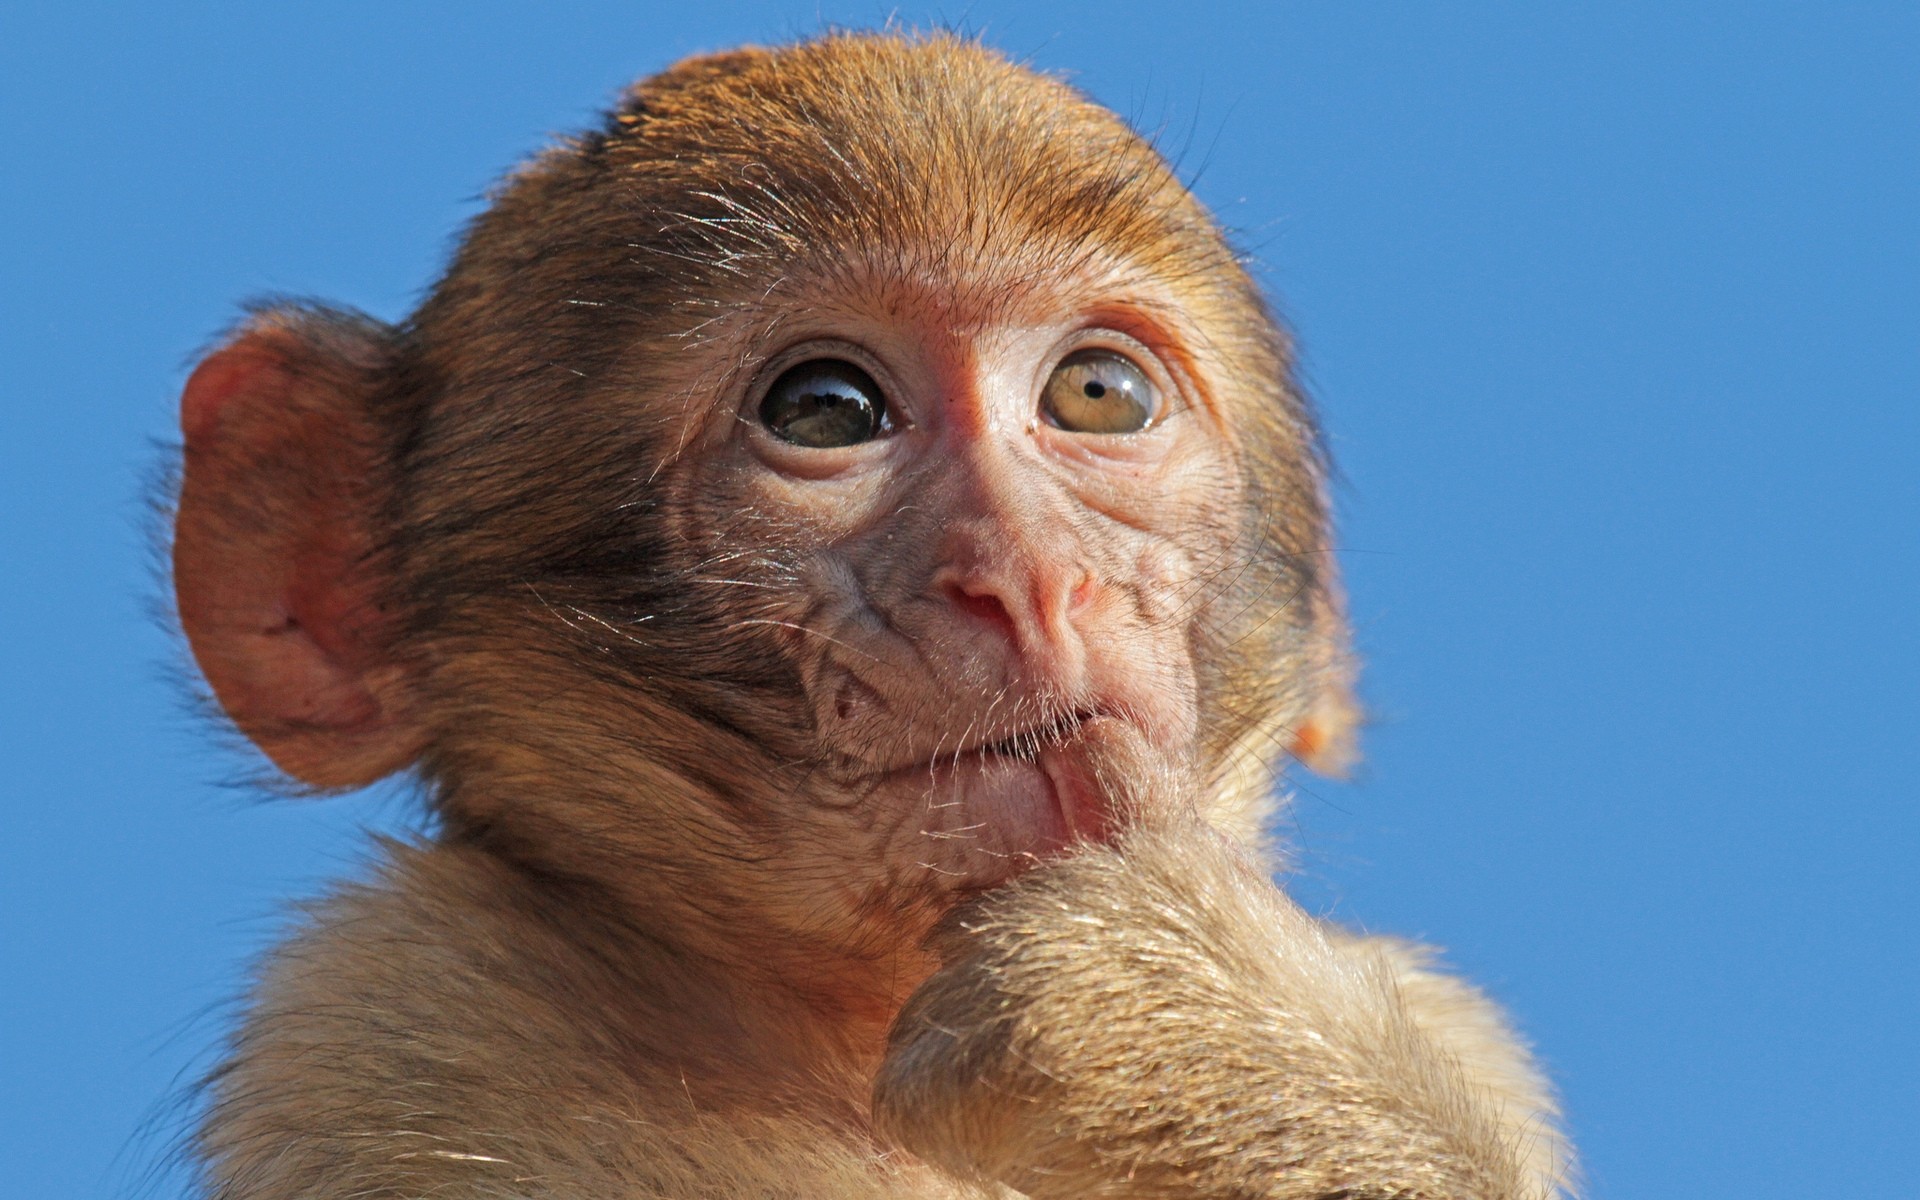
x=713 y=739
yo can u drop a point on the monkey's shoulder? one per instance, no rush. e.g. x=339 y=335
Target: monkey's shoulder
x=437 y=1029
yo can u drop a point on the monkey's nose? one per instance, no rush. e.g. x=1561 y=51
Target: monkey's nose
x=1038 y=607
x=984 y=605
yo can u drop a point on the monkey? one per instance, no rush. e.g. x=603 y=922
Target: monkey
x=843 y=556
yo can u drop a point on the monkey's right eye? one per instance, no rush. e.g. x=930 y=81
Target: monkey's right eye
x=824 y=403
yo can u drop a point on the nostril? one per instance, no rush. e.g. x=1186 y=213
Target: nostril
x=1083 y=593
x=984 y=605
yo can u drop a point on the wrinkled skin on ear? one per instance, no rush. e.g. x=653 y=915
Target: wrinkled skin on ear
x=278 y=551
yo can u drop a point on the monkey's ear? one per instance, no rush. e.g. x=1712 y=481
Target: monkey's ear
x=1327 y=739
x=282 y=587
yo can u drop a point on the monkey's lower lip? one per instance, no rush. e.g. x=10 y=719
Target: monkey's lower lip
x=1081 y=812
x=1083 y=804
x=1081 y=809
x=980 y=817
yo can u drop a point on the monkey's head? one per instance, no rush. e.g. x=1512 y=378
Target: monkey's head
x=851 y=463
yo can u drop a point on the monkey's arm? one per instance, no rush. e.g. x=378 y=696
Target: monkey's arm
x=1473 y=1031
x=1158 y=1020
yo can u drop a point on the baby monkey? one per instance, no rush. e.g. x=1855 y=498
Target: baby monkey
x=843 y=554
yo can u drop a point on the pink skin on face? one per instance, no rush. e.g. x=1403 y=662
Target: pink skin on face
x=988 y=603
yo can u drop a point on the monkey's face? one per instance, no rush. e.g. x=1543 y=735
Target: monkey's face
x=990 y=528
x=895 y=464
x=864 y=488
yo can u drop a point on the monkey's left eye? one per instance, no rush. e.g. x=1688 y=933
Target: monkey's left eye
x=823 y=404
x=1099 y=391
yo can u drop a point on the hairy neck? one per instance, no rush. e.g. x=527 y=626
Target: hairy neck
x=729 y=975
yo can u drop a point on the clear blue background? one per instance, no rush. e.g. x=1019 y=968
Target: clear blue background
x=1614 y=309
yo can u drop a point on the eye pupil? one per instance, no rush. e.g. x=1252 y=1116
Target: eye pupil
x=1099 y=391
x=824 y=403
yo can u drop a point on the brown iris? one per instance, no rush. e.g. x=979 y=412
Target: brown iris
x=823 y=404
x=1099 y=391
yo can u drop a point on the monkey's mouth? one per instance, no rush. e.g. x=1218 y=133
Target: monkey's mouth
x=1026 y=744
x=1063 y=802
x=975 y=815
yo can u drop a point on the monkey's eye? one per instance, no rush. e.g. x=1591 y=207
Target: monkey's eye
x=1099 y=391
x=824 y=403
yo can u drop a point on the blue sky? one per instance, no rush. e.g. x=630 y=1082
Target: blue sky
x=1614 y=313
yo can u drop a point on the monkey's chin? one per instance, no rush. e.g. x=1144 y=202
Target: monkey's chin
x=974 y=820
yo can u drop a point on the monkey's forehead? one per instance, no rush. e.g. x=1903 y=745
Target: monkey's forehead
x=923 y=154
x=864 y=170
